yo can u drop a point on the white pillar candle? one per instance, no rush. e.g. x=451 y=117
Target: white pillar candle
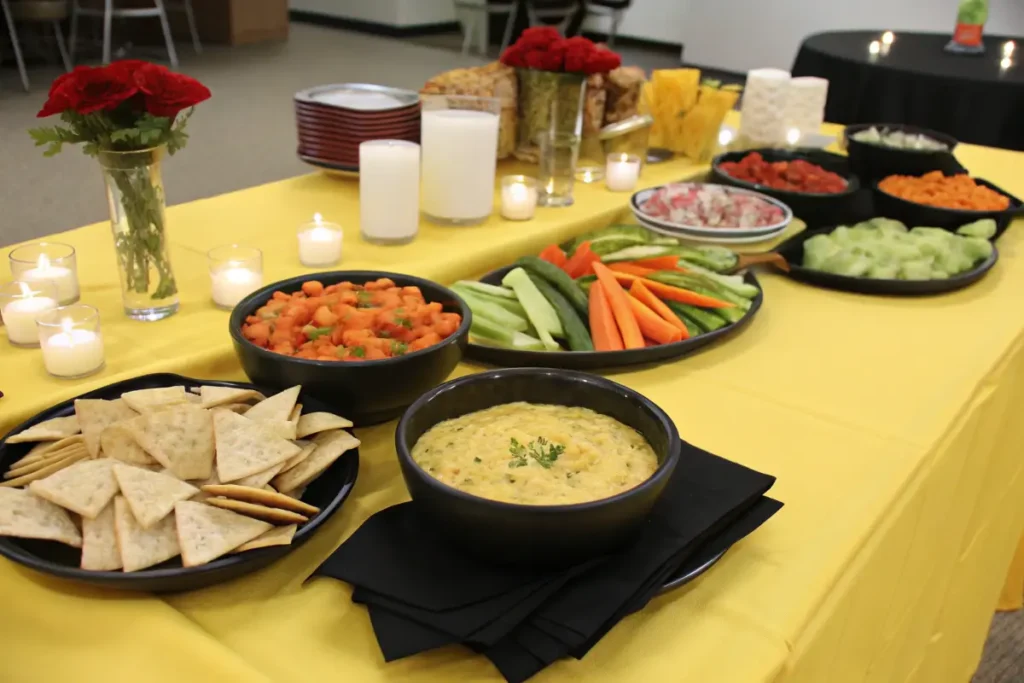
x=764 y=106
x=389 y=191
x=20 y=318
x=63 y=279
x=622 y=172
x=805 y=105
x=320 y=243
x=518 y=198
x=459 y=161
x=73 y=353
x=231 y=284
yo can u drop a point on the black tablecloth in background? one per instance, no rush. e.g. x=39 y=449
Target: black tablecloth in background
x=967 y=96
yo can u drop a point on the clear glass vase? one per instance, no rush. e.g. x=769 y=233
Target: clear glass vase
x=549 y=103
x=135 y=196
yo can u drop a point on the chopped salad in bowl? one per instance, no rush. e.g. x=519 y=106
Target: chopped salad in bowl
x=710 y=208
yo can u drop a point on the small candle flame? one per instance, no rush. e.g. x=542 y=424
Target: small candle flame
x=1008 y=48
x=888 y=37
x=43 y=263
x=793 y=136
x=318 y=219
x=1005 y=63
x=874 y=47
x=67 y=324
x=26 y=292
x=725 y=137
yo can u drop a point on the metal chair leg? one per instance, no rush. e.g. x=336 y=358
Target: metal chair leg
x=73 y=32
x=172 y=54
x=59 y=35
x=15 y=44
x=616 y=20
x=191 y=18
x=509 y=25
x=108 y=26
x=470 y=32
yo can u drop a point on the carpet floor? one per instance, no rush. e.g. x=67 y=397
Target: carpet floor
x=245 y=136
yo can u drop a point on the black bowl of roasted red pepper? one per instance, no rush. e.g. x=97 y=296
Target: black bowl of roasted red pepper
x=818 y=186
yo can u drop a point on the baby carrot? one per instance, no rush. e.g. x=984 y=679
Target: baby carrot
x=652 y=326
x=619 y=301
x=603 y=330
x=646 y=297
x=631 y=268
x=669 y=293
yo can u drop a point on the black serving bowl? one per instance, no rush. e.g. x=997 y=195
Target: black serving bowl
x=327 y=492
x=914 y=215
x=366 y=392
x=812 y=208
x=873 y=161
x=536 y=535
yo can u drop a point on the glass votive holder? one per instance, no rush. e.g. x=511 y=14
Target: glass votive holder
x=71 y=341
x=622 y=172
x=50 y=262
x=518 y=197
x=235 y=272
x=320 y=243
x=20 y=304
x=557 y=168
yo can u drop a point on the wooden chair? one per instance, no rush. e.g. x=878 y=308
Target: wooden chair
x=21 y=11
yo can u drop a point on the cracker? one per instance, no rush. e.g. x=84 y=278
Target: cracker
x=262 y=497
x=24 y=515
x=85 y=487
x=295 y=493
x=296 y=413
x=222 y=396
x=240 y=408
x=46 y=471
x=95 y=415
x=279 y=535
x=118 y=442
x=179 y=437
x=150 y=495
x=283 y=429
x=260 y=479
x=48 y=448
x=245 y=447
x=314 y=423
x=19 y=470
x=49 y=430
x=277 y=407
x=212 y=479
x=307 y=448
x=99 y=542
x=205 y=532
x=152 y=400
x=141 y=548
x=264 y=512
x=329 y=447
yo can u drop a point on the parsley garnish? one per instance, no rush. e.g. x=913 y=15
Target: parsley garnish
x=364 y=299
x=541 y=450
x=398 y=348
x=358 y=352
x=404 y=322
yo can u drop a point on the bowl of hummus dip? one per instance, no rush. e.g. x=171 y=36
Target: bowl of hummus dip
x=536 y=467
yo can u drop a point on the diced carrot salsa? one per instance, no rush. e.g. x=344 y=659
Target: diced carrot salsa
x=349 y=322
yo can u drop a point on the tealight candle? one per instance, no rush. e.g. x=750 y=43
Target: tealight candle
x=20 y=303
x=48 y=262
x=320 y=243
x=622 y=172
x=235 y=272
x=518 y=197
x=71 y=341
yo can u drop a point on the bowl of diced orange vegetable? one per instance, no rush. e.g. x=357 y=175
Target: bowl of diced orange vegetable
x=366 y=342
x=944 y=201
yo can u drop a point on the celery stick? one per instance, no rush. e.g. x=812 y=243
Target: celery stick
x=541 y=313
x=494 y=313
x=511 y=305
x=484 y=288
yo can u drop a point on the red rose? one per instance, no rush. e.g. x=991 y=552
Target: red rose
x=166 y=92
x=513 y=57
x=539 y=37
x=601 y=61
x=87 y=90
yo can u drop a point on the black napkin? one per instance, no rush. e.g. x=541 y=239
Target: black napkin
x=422 y=593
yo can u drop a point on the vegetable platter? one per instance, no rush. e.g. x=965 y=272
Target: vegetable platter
x=883 y=256
x=618 y=296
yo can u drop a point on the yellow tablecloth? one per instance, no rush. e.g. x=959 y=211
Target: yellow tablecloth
x=892 y=425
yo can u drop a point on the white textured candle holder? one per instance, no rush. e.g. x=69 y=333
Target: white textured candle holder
x=764 y=107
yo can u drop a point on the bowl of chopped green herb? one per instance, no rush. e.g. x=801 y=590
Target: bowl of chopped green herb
x=536 y=467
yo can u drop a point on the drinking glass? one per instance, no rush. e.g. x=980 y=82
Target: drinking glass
x=558 y=154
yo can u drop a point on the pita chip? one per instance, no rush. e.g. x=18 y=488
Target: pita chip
x=179 y=437
x=278 y=407
x=205 y=533
x=118 y=442
x=49 y=430
x=329 y=447
x=261 y=497
x=47 y=449
x=256 y=511
x=141 y=548
x=296 y=413
x=150 y=495
x=279 y=535
x=85 y=487
x=314 y=423
x=50 y=467
x=20 y=470
x=25 y=515
x=95 y=415
x=152 y=400
x=222 y=396
x=245 y=447
x=307 y=448
x=285 y=429
x=99 y=542
x=260 y=479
